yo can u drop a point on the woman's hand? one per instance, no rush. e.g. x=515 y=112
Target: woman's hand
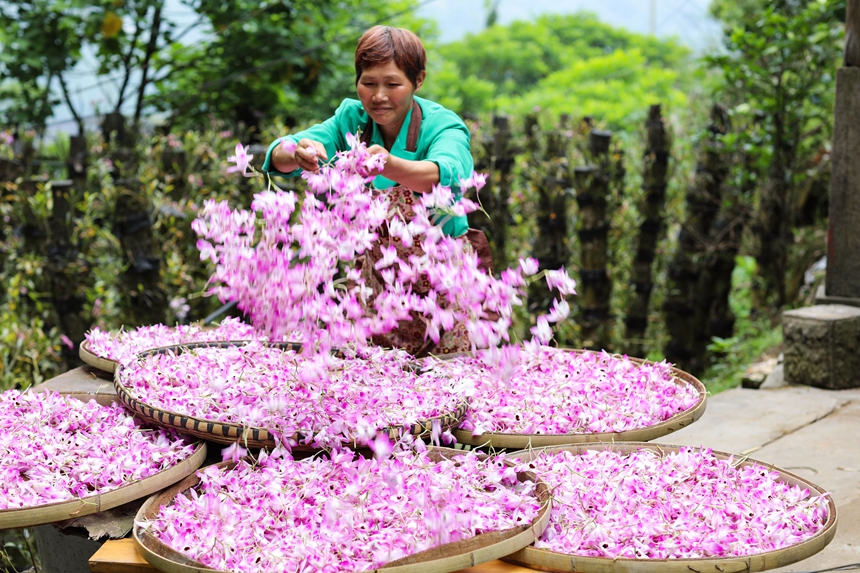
x=419 y=176
x=379 y=150
x=306 y=156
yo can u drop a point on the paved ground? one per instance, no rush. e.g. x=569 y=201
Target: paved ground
x=810 y=432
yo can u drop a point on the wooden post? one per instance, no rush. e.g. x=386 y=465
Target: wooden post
x=503 y=162
x=77 y=162
x=852 y=34
x=688 y=299
x=551 y=243
x=66 y=271
x=133 y=228
x=843 y=245
x=174 y=162
x=654 y=182
x=593 y=194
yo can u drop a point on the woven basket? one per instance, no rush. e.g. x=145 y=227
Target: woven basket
x=72 y=509
x=552 y=561
x=106 y=364
x=500 y=440
x=248 y=436
x=94 y=360
x=449 y=557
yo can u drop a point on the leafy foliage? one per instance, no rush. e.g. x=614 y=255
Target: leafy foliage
x=246 y=61
x=779 y=69
x=261 y=59
x=564 y=63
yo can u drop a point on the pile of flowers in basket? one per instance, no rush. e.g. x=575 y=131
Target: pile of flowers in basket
x=685 y=504
x=329 y=399
x=54 y=448
x=124 y=345
x=553 y=391
x=342 y=513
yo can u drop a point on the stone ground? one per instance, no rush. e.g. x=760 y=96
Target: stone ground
x=807 y=431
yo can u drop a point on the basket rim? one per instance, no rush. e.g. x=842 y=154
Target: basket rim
x=518 y=536
x=693 y=413
x=56 y=511
x=124 y=393
x=824 y=536
x=89 y=357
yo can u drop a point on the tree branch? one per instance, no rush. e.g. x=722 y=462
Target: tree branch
x=126 y=62
x=150 y=50
x=68 y=99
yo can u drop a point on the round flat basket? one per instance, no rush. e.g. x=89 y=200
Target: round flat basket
x=249 y=436
x=551 y=561
x=449 y=557
x=89 y=357
x=501 y=440
x=109 y=365
x=72 y=509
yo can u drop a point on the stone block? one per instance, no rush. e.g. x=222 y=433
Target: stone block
x=822 y=346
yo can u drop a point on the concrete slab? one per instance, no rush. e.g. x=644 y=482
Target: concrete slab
x=742 y=420
x=826 y=453
x=83 y=380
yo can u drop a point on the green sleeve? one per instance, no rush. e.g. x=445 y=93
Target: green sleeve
x=329 y=133
x=450 y=151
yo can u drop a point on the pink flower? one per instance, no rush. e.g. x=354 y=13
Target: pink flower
x=288 y=145
x=241 y=159
x=67 y=341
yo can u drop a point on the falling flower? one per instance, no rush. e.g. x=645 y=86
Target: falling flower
x=287 y=270
x=241 y=159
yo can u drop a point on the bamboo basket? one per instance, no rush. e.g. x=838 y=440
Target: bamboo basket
x=250 y=436
x=449 y=557
x=551 y=561
x=91 y=358
x=72 y=509
x=502 y=440
x=105 y=364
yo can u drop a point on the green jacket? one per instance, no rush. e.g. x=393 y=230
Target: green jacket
x=443 y=139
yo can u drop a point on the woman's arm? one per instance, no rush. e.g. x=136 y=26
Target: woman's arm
x=305 y=156
x=419 y=176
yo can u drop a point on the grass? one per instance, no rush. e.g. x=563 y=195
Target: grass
x=757 y=334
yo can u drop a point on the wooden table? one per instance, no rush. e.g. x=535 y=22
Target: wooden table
x=121 y=556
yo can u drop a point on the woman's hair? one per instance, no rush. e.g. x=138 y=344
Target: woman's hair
x=382 y=44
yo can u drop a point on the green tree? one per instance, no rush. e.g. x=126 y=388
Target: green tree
x=241 y=60
x=780 y=63
x=513 y=68
x=43 y=40
x=262 y=60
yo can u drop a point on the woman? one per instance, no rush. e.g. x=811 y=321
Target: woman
x=424 y=145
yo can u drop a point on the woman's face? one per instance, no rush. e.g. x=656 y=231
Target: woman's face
x=386 y=94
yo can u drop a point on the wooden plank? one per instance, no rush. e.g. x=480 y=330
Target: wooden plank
x=121 y=556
